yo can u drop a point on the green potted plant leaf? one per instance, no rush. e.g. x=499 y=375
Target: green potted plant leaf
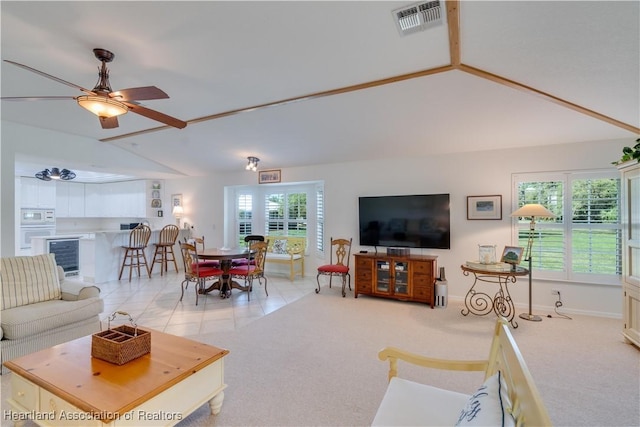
x=629 y=153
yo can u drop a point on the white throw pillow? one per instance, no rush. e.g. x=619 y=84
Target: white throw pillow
x=280 y=247
x=489 y=405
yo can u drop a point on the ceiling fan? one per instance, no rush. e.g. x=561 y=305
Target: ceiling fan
x=55 y=173
x=103 y=101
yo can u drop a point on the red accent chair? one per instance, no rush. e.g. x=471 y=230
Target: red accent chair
x=342 y=249
x=199 y=241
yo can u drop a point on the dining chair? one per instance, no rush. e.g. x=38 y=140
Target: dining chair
x=250 y=271
x=248 y=240
x=342 y=250
x=164 y=248
x=135 y=251
x=194 y=271
x=198 y=242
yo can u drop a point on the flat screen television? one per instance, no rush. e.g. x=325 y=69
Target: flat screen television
x=413 y=221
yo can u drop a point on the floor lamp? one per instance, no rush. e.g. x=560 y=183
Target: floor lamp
x=532 y=210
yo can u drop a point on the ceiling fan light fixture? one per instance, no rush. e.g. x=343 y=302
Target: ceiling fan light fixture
x=102 y=106
x=56 y=173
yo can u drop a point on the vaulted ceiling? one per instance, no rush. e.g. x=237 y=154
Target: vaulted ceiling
x=300 y=83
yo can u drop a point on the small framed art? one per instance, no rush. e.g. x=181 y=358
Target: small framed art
x=512 y=254
x=176 y=200
x=484 y=207
x=269 y=176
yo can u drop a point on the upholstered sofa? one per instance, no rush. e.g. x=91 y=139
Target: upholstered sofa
x=287 y=250
x=40 y=309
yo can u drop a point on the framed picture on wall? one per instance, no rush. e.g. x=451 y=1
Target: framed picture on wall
x=176 y=200
x=269 y=176
x=484 y=207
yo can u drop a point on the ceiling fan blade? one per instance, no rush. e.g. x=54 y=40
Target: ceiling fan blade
x=139 y=94
x=49 y=76
x=37 y=98
x=156 y=115
x=108 y=122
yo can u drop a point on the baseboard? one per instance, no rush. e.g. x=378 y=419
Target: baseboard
x=543 y=309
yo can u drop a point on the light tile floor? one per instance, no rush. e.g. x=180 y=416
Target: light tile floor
x=155 y=303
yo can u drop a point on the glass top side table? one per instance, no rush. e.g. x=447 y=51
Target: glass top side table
x=480 y=303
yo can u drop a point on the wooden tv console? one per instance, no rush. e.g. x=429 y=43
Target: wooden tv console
x=405 y=278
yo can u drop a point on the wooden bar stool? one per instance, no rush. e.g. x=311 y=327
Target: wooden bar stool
x=164 y=248
x=134 y=252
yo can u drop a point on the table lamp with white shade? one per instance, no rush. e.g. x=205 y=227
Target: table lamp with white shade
x=533 y=211
x=177 y=213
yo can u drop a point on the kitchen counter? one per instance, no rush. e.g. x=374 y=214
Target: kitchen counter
x=101 y=255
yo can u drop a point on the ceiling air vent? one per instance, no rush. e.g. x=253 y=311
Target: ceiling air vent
x=418 y=17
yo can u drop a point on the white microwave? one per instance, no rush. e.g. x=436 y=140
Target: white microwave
x=37 y=217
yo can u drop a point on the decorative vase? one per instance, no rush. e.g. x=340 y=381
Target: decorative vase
x=487 y=254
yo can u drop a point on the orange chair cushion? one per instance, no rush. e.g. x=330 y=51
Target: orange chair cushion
x=331 y=268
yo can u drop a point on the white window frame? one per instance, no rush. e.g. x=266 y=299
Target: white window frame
x=258 y=193
x=566 y=177
x=286 y=220
x=238 y=220
x=320 y=219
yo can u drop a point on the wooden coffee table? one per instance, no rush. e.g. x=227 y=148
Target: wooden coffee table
x=63 y=385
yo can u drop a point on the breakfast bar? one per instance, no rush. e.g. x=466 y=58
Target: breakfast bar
x=101 y=255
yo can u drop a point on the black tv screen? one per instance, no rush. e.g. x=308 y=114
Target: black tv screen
x=415 y=221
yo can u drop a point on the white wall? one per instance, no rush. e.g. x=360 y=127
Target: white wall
x=460 y=175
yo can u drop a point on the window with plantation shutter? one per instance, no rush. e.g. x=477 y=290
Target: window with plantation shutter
x=596 y=230
x=583 y=242
x=277 y=210
x=286 y=214
x=244 y=210
x=274 y=214
x=320 y=219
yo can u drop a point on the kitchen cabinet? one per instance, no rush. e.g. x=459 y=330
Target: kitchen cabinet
x=35 y=193
x=630 y=183
x=126 y=199
x=93 y=201
x=69 y=200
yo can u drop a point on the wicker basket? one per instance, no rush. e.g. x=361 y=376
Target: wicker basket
x=121 y=344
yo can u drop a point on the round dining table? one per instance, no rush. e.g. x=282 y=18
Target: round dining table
x=225 y=256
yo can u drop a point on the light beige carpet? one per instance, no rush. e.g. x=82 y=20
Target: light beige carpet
x=314 y=362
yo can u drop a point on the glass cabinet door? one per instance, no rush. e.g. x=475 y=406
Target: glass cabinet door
x=382 y=276
x=401 y=278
